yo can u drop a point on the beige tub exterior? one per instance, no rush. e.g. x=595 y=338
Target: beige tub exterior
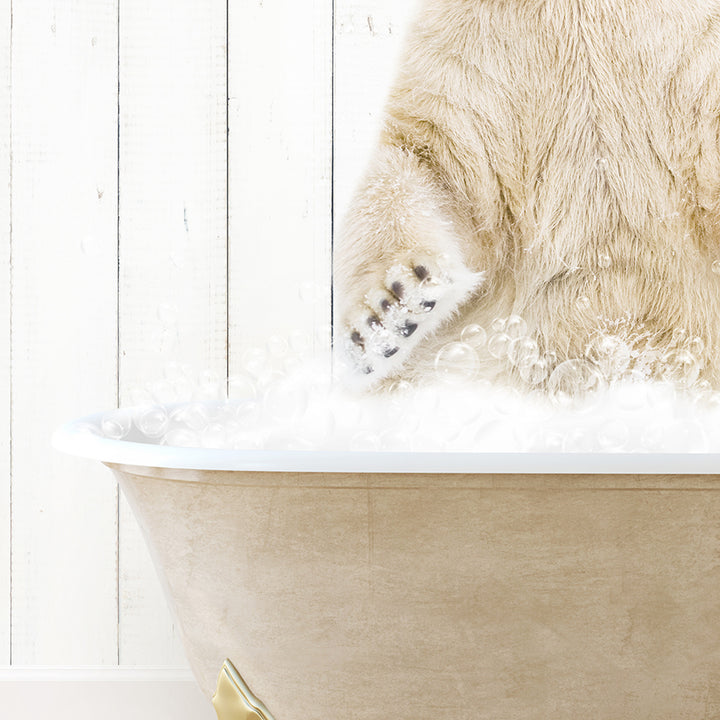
x=342 y=596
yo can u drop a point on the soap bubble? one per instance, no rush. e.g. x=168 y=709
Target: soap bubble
x=140 y=395
x=705 y=397
x=609 y=353
x=248 y=440
x=676 y=436
x=194 y=415
x=116 y=424
x=578 y=440
x=163 y=392
x=211 y=387
x=214 y=435
x=534 y=370
x=653 y=437
x=475 y=336
x=399 y=397
x=396 y=441
x=181 y=437
x=515 y=327
x=715 y=267
x=364 y=441
x=425 y=402
x=506 y=402
x=291 y=364
x=254 y=360
x=241 y=387
x=583 y=303
x=688 y=436
x=247 y=412
x=301 y=444
x=428 y=288
x=285 y=401
x=463 y=412
x=89 y=428
x=573 y=380
x=696 y=346
x=679 y=336
x=179 y=377
x=300 y=342
x=498 y=325
x=552 y=441
x=268 y=378
x=613 y=436
x=399 y=387
x=681 y=367
x=152 y=421
x=499 y=344
x=456 y=362
x=319 y=425
x=604 y=260
x=523 y=350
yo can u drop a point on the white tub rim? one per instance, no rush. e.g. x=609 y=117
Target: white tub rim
x=72 y=438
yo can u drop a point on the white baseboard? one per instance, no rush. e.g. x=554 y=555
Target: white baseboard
x=107 y=693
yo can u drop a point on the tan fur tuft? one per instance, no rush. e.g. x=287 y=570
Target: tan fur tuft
x=567 y=149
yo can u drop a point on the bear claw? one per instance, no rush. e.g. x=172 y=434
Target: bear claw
x=407 y=329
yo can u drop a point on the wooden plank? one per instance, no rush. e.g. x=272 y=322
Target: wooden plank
x=64 y=350
x=173 y=228
x=280 y=94
x=5 y=277
x=369 y=36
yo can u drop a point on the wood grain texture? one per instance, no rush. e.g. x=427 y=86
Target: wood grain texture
x=64 y=262
x=5 y=302
x=279 y=181
x=173 y=251
x=369 y=37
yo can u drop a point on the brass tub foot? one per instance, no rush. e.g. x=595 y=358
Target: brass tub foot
x=233 y=699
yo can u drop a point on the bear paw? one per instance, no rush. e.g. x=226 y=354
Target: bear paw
x=411 y=300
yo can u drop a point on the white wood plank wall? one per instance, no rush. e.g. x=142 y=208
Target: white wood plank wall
x=172 y=171
x=173 y=244
x=5 y=492
x=64 y=338
x=280 y=100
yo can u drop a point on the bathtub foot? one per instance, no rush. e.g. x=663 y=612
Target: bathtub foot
x=233 y=699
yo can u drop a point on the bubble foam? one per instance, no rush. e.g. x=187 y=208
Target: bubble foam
x=305 y=411
x=601 y=402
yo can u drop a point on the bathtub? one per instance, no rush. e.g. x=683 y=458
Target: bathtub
x=360 y=586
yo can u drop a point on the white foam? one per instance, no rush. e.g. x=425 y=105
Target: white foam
x=304 y=410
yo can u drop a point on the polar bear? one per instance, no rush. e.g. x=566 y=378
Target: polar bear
x=555 y=162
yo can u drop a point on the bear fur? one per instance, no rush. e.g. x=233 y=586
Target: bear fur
x=558 y=160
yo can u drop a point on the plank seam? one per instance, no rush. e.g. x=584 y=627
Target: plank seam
x=118 y=347
x=332 y=177
x=11 y=408
x=227 y=188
